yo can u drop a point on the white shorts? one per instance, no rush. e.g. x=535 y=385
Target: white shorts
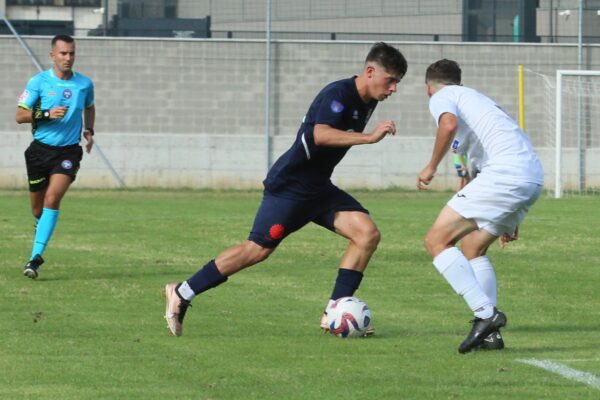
x=496 y=204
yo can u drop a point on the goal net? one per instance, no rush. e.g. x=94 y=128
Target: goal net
x=570 y=143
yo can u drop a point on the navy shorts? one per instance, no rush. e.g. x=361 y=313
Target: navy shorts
x=43 y=160
x=278 y=216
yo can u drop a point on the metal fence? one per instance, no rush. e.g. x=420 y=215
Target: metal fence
x=546 y=21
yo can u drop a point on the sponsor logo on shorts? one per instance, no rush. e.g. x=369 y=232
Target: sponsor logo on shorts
x=67 y=93
x=461 y=195
x=36 y=181
x=24 y=96
x=276 y=231
x=336 y=106
x=66 y=164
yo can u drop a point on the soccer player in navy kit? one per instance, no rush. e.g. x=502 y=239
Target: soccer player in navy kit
x=298 y=188
x=58 y=103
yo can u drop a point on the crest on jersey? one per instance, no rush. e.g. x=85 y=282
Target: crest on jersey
x=66 y=164
x=67 y=93
x=24 y=96
x=336 y=106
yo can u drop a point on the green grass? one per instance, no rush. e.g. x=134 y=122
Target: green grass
x=91 y=326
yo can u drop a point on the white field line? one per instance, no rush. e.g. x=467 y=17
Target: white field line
x=564 y=371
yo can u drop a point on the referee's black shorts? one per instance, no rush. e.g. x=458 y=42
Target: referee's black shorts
x=43 y=160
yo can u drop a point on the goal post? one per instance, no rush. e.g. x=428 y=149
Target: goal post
x=577 y=100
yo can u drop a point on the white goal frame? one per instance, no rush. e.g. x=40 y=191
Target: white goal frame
x=558 y=190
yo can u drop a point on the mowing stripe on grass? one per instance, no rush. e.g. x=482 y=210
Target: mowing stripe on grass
x=564 y=371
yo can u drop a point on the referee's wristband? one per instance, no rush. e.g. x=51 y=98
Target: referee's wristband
x=90 y=130
x=40 y=115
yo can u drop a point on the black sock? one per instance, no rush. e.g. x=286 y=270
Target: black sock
x=206 y=278
x=346 y=283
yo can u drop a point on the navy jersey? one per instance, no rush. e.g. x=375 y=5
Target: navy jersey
x=304 y=171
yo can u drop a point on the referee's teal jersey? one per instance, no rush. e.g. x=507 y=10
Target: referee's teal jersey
x=45 y=91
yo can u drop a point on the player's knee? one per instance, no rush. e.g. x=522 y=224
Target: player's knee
x=374 y=238
x=52 y=201
x=262 y=255
x=368 y=238
x=258 y=254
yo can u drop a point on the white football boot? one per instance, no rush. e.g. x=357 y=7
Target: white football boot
x=176 y=309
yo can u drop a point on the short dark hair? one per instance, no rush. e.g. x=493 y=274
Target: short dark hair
x=62 y=38
x=444 y=71
x=388 y=57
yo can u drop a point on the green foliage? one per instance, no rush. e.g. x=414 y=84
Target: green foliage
x=91 y=326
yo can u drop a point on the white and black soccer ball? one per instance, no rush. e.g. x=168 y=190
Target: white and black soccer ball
x=348 y=317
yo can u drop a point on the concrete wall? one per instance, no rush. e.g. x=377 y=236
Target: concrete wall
x=184 y=112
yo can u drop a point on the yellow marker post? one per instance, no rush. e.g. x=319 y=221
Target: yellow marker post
x=521 y=98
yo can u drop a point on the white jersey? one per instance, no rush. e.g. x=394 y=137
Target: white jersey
x=488 y=136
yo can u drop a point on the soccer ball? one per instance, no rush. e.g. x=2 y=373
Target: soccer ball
x=348 y=317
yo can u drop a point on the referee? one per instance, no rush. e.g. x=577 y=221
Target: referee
x=59 y=104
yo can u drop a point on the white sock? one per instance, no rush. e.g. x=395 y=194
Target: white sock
x=186 y=291
x=455 y=267
x=486 y=276
x=329 y=304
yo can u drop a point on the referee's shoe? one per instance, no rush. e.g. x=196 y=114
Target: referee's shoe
x=31 y=269
x=481 y=329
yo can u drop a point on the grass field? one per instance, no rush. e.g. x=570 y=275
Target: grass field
x=91 y=326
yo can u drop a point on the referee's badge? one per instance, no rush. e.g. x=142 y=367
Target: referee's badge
x=66 y=164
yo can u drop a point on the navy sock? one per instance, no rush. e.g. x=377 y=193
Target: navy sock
x=346 y=283
x=206 y=278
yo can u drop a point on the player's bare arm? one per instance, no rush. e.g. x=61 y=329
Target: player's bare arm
x=448 y=125
x=325 y=135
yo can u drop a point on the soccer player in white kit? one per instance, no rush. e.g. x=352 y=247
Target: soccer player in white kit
x=492 y=205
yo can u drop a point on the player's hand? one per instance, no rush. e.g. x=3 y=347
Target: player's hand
x=90 y=141
x=425 y=177
x=58 y=112
x=381 y=130
x=507 y=237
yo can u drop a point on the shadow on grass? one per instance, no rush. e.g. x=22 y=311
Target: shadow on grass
x=555 y=328
x=536 y=350
x=133 y=273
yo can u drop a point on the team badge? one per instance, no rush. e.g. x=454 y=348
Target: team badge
x=67 y=93
x=66 y=164
x=336 y=106
x=24 y=96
